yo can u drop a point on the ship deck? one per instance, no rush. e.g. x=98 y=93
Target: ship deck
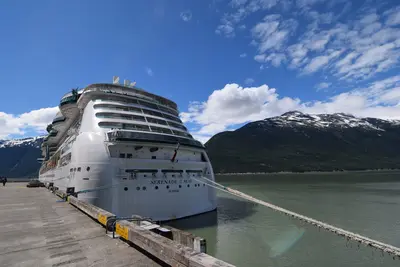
x=37 y=229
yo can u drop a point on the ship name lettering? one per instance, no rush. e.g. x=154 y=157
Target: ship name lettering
x=170 y=181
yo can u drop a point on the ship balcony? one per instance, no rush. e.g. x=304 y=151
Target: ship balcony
x=68 y=100
x=58 y=120
x=53 y=133
x=69 y=107
x=53 y=149
x=129 y=136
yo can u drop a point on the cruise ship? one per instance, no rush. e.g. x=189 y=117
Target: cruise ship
x=126 y=151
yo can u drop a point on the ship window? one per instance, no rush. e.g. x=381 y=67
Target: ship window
x=159 y=114
x=127 y=126
x=153 y=149
x=117 y=107
x=177 y=125
x=179 y=133
x=171 y=117
x=104 y=124
x=141 y=127
x=168 y=107
x=119 y=116
x=156 y=121
x=122 y=155
x=153 y=113
x=129 y=155
x=79 y=169
x=88 y=169
x=146 y=104
x=153 y=157
x=161 y=130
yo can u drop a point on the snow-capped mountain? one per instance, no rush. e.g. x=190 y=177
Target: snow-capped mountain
x=296 y=141
x=18 y=157
x=30 y=141
x=337 y=120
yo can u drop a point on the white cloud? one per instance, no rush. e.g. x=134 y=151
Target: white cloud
x=241 y=10
x=323 y=85
x=226 y=30
x=238 y=3
x=249 y=81
x=393 y=16
x=369 y=18
x=319 y=62
x=370 y=40
x=273 y=32
x=371 y=61
x=149 y=71
x=35 y=120
x=243 y=55
x=276 y=59
x=186 y=15
x=233 y=105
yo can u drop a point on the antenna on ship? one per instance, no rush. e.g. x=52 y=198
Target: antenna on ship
x=115 y=79
x=127 y=83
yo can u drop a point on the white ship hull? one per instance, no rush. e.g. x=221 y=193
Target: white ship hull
x=159 y=197
x=131 y=150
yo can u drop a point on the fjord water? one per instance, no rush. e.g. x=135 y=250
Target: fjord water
x=247 y=234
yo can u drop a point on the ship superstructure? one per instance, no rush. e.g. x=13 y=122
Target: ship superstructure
x=131 y=148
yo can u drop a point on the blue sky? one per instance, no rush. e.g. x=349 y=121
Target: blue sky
x=224 y=62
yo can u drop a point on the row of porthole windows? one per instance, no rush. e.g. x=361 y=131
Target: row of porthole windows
x=78 y=169
x=156 y=187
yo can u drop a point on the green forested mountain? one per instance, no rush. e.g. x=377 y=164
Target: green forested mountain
x=18 y=158
x=300 y=142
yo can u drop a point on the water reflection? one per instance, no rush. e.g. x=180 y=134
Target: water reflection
x=232 y=215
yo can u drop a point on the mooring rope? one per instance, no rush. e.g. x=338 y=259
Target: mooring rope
x=339 y=231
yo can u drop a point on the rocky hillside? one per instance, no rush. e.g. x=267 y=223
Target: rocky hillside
x=301 y=142
x=18 y=157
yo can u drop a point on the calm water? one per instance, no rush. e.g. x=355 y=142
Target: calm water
x=247 y=234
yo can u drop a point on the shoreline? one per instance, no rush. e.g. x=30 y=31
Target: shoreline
x=307 y=172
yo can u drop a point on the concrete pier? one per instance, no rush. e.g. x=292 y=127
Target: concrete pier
x=37 y=230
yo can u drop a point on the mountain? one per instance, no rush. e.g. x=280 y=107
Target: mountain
x=302 y=142
x=293 y=141
x=18 y=157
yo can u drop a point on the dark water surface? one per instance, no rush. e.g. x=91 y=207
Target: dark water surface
x=247 y=234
